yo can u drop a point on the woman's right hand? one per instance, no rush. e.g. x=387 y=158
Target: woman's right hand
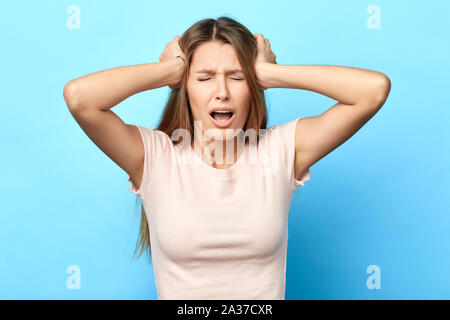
x=171 y=51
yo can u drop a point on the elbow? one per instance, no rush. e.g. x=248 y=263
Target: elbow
x=70 y=96
x=385 y=86
x=381 y=89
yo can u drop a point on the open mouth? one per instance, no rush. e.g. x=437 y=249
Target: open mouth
x=222 y=119
x=221 y=115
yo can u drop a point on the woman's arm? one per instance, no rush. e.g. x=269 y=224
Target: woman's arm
x=104 y=89
x=90 y=98
x=344 y=84
x=361 y=93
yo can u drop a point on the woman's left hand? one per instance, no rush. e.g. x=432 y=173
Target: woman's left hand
x=264 y=55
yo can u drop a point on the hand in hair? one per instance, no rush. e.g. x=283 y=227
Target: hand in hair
x=264 y=56
x=171 y=51
x=265 y=53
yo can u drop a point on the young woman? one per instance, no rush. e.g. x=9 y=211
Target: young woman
x=217 y=217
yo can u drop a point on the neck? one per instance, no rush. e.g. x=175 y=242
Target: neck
x=220 y=153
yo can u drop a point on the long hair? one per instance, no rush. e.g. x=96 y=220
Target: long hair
x=177 y=112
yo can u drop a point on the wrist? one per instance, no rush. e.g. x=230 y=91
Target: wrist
x=176 y=67
x=179 y=64
x=265 y=73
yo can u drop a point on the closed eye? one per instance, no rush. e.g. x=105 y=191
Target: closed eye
x=210 y=78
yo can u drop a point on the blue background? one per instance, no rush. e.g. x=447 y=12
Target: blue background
x=381 y=198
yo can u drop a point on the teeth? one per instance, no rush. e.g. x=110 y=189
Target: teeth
x=221 y=111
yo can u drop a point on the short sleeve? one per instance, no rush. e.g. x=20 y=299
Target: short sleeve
x=287 y=135
x=155 y=142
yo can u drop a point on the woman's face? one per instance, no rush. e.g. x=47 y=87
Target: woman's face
x=217 y=88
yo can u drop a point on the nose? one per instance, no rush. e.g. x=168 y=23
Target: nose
x=222 y=90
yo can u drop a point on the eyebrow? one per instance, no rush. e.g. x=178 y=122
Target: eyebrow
x=212 y=72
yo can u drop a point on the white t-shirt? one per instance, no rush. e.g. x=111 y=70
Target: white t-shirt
x=219 y=233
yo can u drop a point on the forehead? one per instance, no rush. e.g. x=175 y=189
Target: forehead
x=215 y=57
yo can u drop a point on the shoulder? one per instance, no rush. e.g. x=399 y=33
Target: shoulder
x=285 y=129
x=156 y=142
x=155 y=135
x=279 y=140
x=286 y=132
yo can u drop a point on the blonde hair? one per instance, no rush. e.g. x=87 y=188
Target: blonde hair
x=177 y=112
